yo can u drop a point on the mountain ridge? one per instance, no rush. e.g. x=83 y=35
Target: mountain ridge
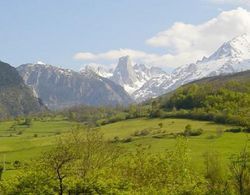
x=60 y=88
x=233 y=56
x=130 y=76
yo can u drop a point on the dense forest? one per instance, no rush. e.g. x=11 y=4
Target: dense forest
x=223 y=99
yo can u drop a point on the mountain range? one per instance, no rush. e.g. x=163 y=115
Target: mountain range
x=60 y=88
x=130 y=77
x=96 y=86
x=233 y=56
x=92 y=85
x=143 y=83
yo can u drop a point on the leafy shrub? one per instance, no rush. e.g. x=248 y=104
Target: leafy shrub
x=143 y=132
x=159 y=136
x=27 y=122
x=19 y=132
x=188 y=127
x=1 y=171
x=160 y=125
x=211 y=137
x=101 y=122
x=247 y=130
x=116 y=139
x=17 y=164
x=194 y=132
x=234 y=130
x=127 y=140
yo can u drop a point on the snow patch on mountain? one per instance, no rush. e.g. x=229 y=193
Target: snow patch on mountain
x=233 y=56
x=130 y=77
x=98 y=69
x=61 y=88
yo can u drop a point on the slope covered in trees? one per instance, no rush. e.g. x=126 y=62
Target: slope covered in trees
x=224 y=99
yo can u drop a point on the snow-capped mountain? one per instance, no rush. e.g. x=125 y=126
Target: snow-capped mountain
x=125 y=75
x=130 y=77
x=60 y=88
x=96 y=85
x=98 y=69
x=233 y=56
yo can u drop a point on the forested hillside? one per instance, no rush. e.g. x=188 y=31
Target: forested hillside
x=224 y=99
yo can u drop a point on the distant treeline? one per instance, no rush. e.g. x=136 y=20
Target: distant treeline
x=227 y=103
x=104 y=115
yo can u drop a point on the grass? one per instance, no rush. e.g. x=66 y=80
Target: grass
x=128 y=127
x=213 y=137
x=40 y=136
x=31 y=141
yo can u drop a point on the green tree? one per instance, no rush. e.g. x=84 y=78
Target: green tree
x=160 y=125
x=240 y=171
x=1 y=171
x=214 y=173
x=58 y=161
x=27 y=121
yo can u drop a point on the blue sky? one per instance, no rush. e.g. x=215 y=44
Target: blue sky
x=54 y=31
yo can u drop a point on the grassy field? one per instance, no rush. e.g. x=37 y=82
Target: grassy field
x=20 y=142
x=213 y=137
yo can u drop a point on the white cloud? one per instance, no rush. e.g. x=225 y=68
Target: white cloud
x=203 y=39
x=186 y=42
x=109 y=55
x=113 y=55
x=139 y=57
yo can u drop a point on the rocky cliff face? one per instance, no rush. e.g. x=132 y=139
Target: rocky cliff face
x=125 y=75
x=130 y=77
x=60 y=88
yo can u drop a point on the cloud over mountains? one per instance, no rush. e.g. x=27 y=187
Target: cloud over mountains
x=185 y=42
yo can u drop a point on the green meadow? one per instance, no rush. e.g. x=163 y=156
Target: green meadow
x=22 y=143
x=213 y=137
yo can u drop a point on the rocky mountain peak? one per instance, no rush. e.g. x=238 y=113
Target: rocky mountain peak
x=130 y=77
x=233 y=56
x=40 y=62
x=125 y=61
x=238 y=47
x=124 y=73
x=124 y=67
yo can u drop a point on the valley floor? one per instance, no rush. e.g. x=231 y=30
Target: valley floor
x=23 y=143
